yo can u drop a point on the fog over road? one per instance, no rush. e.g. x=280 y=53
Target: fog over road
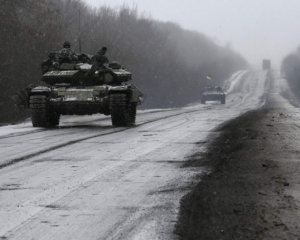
x=89 y=180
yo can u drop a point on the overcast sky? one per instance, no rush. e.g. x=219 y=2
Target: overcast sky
x=257 y=29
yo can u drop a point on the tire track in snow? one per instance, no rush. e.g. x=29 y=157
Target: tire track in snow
x=23 y=158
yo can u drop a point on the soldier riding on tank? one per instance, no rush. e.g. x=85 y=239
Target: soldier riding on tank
x=67 y=55
x=98 y=62
x=50 y=63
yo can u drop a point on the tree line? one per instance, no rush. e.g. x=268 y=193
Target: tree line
x=169 y=64
x=290 y=68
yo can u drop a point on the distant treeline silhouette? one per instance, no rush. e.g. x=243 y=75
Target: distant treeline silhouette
x=290 y=68
x=168 y=63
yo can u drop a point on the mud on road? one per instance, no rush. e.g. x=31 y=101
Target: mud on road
x=253 y=191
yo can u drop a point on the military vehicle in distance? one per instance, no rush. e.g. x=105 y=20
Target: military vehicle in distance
x=212 y=93
x=266 y=64
x=71 y=90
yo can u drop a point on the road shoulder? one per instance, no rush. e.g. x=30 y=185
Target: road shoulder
x=252 y=192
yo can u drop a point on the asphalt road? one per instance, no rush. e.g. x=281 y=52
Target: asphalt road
x=89 y=180
x=253 y=189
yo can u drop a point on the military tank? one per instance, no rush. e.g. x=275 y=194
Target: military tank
x=71 y=89
x=213 y=93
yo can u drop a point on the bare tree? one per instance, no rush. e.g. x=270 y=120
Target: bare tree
x=168 y=63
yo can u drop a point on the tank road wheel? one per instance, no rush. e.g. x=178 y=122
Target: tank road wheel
x=121 y=113
x=41 y=114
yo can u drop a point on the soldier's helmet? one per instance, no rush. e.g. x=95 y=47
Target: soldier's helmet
x=66 y=44
x=102 y=50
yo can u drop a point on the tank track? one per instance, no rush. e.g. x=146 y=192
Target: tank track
x=41 y=114
x=122 y=113
x=223 y=99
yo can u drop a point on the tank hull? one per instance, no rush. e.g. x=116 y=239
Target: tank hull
x=213 y=94
x=86 y=100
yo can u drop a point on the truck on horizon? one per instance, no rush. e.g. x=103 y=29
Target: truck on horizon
x=266 y=64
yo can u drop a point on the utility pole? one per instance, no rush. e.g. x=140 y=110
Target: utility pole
x=79 y=38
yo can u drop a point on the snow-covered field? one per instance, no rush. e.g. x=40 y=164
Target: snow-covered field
x=89 y=180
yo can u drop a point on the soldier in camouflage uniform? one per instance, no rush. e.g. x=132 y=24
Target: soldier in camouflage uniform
x=98 y=61
x=50 y=63
x=67 y=54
